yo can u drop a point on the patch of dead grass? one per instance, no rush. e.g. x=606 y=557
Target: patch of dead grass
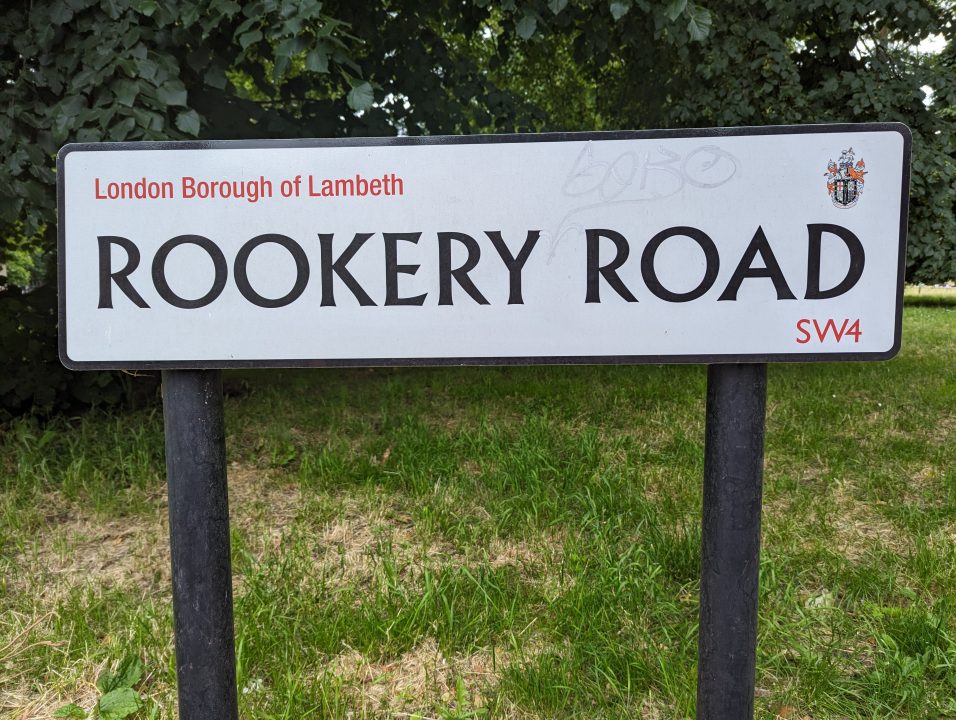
x=418 y=680
x=82 y=549
x=351 y=547
x=944 y=428
x=78 y=548
x=76 y=684
x=858 y=526
x=260 y=507
x=424 y=680
x=347 y=548
x=73 y=684
x=856 y=535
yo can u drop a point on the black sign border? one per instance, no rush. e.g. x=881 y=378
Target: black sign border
x=901 y=128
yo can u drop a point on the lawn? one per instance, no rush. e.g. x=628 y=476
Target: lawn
x=501 y=543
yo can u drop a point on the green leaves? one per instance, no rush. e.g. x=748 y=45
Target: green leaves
x=675 y=8
x=361 y=97
x=215 y=76
x=188 y=121
x=118 y=699
x=172 y=92
x=699 y=23
x=250 y=37
x=146 y=7
x=125 y=92
x=118 y=704
x=120 y=131
x=620 y=8
x=556 y=6
x=127 y=674
x=225 y=7
x=70 y=711
x=294 y=38
x=318 y=59
x=291 y=46
x=526 y=26
x=60 y=14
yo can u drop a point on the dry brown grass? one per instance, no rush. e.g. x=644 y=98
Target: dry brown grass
x=82 y=549
x=25 y=702
x=79 y=549
x=425 y=678
x=859 y=528
x=419 y=679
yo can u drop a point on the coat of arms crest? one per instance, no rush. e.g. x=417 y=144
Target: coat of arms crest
x=845 y=180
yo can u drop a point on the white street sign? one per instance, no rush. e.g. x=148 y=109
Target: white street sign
x=749 y=244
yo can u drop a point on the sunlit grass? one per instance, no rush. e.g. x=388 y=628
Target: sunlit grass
x=504 y=542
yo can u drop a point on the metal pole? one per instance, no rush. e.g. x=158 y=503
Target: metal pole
x=199 y=544
x=730 y=547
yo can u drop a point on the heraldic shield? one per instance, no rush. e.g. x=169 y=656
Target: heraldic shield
x=846 y=192
x=845 y=180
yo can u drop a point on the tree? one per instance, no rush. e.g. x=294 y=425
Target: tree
x=120 y=70
x=109 y=70
x=757 y=62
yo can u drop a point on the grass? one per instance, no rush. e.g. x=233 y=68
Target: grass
x=930 y=296
x=502 y=543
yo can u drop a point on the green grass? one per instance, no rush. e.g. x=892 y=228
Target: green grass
x=503 y=542
x=929 y=296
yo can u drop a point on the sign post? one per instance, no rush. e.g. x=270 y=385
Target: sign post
x=199 y=544
x=732 y=247
x=730 y=541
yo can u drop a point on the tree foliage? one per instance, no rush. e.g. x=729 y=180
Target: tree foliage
x=760 y=62
x=88 y=70
x=121 y=70
x=110 y=70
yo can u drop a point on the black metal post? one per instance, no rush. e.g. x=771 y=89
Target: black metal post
x=199 y=543
x=730 y=547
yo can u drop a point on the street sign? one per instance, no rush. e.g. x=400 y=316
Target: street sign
x=727 y=245
x=734 y=247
